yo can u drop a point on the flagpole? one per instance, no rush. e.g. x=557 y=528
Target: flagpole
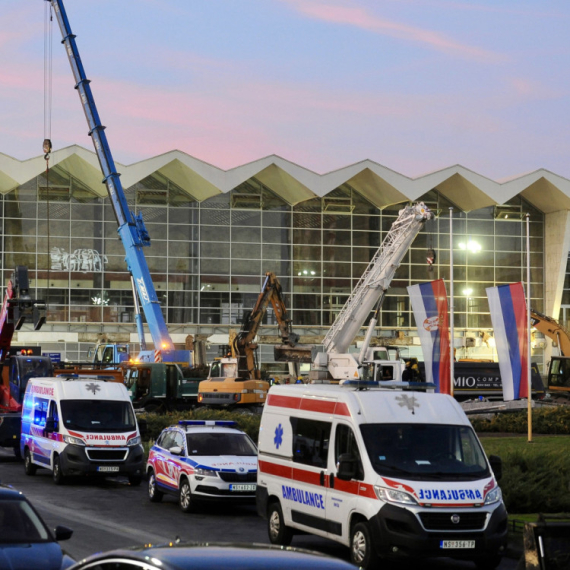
x=451 y=308
x=529 y=369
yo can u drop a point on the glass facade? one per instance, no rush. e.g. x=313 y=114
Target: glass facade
x=208 y=258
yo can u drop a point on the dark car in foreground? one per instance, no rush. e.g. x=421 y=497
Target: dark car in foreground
x=211 y=556
x=26 y=542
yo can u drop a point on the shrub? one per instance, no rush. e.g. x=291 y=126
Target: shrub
x=536 y=482
x=155 y=423
x=551 y=420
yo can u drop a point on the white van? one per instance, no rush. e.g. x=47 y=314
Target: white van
x=80 y=426
x=387 y=472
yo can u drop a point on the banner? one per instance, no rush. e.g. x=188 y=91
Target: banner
x=508 y=314
x=429 y=303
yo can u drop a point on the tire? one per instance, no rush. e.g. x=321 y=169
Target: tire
x=17 y=452
x=488 y=562
x=135 y=480
x=185 y=499
x=29 y=468
x=278 y=532
x=362 y=553
x=154 y=495
x=57 y=475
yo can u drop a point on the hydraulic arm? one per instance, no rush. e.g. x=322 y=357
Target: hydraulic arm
x=132 y=230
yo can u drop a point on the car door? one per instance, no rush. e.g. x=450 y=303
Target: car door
x=304 y=497
x=342 y=496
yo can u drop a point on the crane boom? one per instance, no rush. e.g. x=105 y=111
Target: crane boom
x=552 y=329
x=132 y=231
x=376 y=279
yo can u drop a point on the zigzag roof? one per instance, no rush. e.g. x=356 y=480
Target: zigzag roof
x=468 y=190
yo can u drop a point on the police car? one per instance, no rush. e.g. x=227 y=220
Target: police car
x=199 y=460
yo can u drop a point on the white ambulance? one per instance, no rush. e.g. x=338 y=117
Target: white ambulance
x=385 y=471
x=80 y=426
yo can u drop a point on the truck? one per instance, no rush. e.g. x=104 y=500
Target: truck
x=18 y=364
x=335 y=362
x=236 y=380
x=558 y=377
x=131 y=227
x=474 y=380
x=162 y=386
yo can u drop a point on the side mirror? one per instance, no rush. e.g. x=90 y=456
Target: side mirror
x=346 y=469
x=62 y=533
x=176 y=450
x=497 y=466
x=50 y=425
x=143 y=428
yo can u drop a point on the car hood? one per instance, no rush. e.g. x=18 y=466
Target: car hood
x=23 y=556
x=227 y=463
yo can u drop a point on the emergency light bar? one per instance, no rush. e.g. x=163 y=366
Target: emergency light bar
x=225 y=423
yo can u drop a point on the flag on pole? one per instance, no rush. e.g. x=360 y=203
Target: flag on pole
x=429 y=303
x=509 y=317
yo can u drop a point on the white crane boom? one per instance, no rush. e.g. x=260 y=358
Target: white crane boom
x=375 y=281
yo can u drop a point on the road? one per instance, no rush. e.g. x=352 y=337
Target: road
x=111 y=514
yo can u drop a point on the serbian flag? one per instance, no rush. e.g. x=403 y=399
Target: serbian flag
x=508 y=315
x=429 y=303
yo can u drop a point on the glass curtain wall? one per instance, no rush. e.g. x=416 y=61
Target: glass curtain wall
x=208 y=258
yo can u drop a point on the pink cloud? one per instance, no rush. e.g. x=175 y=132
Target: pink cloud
x=327 y=11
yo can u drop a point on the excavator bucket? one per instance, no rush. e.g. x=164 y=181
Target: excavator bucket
x=300 y=353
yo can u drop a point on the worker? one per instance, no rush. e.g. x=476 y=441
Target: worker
x=408 y=373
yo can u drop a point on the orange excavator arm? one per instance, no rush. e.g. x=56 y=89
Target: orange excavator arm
x=552 y=329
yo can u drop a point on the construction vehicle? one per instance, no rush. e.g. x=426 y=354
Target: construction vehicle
x=132 y=230
x=18 y=364
x=558 y=378
x=236 y=380
x=335 y=363
x=162 y=387
x=482 y=379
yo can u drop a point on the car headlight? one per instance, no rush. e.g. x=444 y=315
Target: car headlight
x=494 y=496
x=394 y=496
x=73 y=440
x=205 y=472
x=134 y=441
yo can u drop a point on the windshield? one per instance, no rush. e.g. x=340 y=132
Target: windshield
x=220 y=444
x=108 y=416
x=20 y=523
x=425 y=451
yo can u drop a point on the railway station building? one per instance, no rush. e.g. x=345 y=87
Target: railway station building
x=216 y=233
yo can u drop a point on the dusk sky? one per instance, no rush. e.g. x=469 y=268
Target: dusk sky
x=415 y=85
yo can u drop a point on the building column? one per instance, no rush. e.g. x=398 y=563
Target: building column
x=556 y=249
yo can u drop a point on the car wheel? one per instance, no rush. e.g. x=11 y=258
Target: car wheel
x=17 y=452
x=488 y=562
x=278 y=532
x=185 y=499
x=154 y=494
x=362 y=551
x=58 y=477
x=135 y=480
x=29 y=467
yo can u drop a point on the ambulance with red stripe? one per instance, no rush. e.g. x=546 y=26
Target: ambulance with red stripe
x=78 y=426
x=388 y=472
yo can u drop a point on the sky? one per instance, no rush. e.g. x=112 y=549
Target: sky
x=414 y=85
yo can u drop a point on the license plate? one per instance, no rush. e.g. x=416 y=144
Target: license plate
x=243 y=487
x=457 y=544
x=107 y=469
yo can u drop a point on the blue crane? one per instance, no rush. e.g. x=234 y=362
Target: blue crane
x=132 y=231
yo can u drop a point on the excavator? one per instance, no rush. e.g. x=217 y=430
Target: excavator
x=559 y=367
x=235 y=380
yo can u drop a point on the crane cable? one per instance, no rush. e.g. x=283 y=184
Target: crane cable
x=48 y=40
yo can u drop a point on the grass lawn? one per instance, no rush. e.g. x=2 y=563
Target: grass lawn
x=500 y=446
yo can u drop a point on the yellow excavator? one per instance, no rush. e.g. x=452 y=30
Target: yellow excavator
x=559 y=367
x=235 y=381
